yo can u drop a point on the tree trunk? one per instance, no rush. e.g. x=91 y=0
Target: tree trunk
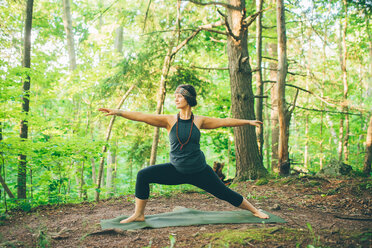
x=21 y=180
x=161 y=98
x=308 y=82
x=273 y=53
x=344 y=121
x=162 y=86
x=259 y=91
x=284 y=117
x=322 y=105
x=119 y=39
x=94 y=175
x=345 y=83
x=67 y=21
x=6 y=188
x=2 y=180
x=267 y=135
x=107 y=138
x=172 y=51
x=83 y=192
x=111 y=157
x=248 y=160
x=368 y=157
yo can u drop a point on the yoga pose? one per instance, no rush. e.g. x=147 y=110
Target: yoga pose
x=187 y=162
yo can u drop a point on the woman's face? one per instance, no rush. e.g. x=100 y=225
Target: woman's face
x=180 y=101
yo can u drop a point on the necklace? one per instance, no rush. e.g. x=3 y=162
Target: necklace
x=188 y=139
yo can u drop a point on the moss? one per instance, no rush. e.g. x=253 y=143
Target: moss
x=262 y=181
x=241 y=237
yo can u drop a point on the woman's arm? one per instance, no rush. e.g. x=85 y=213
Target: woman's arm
x=212 y=123
x=151 y=119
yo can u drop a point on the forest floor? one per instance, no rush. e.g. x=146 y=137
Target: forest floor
x=319 y=212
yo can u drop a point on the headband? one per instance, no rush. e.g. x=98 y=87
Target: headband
x=183 y=92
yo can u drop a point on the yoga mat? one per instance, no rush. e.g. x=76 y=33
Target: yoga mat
x=188 y=217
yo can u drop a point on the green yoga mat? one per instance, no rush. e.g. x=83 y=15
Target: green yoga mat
x=188 y=217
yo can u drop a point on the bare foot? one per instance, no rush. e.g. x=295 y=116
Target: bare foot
x=261 y=215
x=132 y=218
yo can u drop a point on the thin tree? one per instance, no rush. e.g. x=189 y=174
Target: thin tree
x=67 y=21
x=21 y=181
x=162 y=84
x=284 y=116
x=259 y=83
x=368 y=156
x=273 y=65
x=2 y=180
x=344 y=131
x=104 y=148
x=172 y=51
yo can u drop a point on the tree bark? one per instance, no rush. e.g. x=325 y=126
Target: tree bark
x=368 y=156
x=107 y=138
x=284 y=117
x=345 y=83
x=94 y=175
x=259 y=91
x=118 y=44
x=67 y=21
x=273 y=52
x=248 y=160
x=2 y=180
x=344 y=121
x=308 y=82
x=21 y=180
x=111 y=157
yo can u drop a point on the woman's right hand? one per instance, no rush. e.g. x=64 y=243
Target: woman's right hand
x=109 y=111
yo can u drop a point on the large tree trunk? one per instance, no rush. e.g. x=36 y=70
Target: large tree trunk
x=259 y=91
x=67 y=21
x=368 y=157
x=21 y=181
x=284 y=116
x=248 y=160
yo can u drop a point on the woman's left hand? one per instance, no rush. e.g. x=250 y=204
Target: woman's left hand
x=256 y=123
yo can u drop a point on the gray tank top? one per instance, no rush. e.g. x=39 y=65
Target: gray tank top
x=189 y=159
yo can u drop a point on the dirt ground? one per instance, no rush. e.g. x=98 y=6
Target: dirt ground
x=319 y=212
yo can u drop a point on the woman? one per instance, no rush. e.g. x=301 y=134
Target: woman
x=187 y=161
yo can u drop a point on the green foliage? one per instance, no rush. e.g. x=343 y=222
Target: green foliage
x=66 y=132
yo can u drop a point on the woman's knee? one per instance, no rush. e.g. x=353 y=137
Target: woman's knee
x=143 y=175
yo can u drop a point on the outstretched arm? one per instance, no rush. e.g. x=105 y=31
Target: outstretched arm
x=151 y=119
x=212 y=123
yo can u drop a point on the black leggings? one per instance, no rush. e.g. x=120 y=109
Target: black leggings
x=167 y=174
